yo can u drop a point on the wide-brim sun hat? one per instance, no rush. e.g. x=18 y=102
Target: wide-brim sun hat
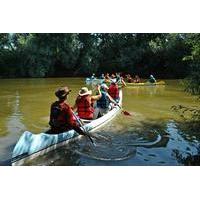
x=62 y=92
x=84 y=91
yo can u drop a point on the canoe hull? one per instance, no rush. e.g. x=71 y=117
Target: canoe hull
x=89 y=81
x=146 y=84
x=32 y=145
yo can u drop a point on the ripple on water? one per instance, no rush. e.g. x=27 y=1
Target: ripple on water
x=105 y=151
x=117 y=148
x=108 y=147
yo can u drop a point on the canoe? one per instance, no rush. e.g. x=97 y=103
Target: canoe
x=30 y=146
x=146 y=84
x=89 y=81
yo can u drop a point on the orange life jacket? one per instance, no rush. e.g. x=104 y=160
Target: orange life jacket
x=84 y=107
x=113 y=91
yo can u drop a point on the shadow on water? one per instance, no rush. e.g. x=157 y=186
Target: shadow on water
x=130 y=142
x=188 y=160
x=152 y=143
x=6 y=159
x=189 y=131
x=5 y=162
x=65 y=156
x=6 y=151
x=111 y=147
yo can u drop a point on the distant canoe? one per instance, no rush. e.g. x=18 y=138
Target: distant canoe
x=146 y=84
x=90 y=81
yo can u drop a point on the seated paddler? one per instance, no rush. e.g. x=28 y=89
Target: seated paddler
x=84 y=103
x=61 y=115
x=103 y=104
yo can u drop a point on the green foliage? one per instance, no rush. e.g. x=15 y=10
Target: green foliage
x=191 y=113
x=190 y=117
x=47 y=55
x=192 y=82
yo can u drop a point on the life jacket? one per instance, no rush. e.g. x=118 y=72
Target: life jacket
x=84 y=107
x=61 y=117
x=104 y=101
x=113 y=91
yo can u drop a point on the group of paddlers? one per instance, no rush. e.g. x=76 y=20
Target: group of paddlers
x=87 y=106
x=125 y=78
x=131 y=79
x=109 y=78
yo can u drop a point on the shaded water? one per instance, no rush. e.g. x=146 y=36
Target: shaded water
x=152 y=136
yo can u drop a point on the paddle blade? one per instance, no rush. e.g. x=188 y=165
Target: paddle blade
x=126 y=113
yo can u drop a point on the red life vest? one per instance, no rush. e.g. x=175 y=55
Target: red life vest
x=113 y=91
x=61 y=116
x=84 y=107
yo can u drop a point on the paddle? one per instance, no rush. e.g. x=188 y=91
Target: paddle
x=81 y=125
x=124 y=111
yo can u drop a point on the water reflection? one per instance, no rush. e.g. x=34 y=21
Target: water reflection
x=14 y=123
x=14 y=126
x=147 y=90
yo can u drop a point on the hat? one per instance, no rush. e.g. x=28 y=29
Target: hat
x=104 y=86
x=113 y=82
x=84 y=91
x=62 y=92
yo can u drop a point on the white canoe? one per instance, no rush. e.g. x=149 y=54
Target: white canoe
x=30 y=146
x=89 y=81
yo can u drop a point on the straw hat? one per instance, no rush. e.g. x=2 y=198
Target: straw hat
x=84 y=91
x=62 y=92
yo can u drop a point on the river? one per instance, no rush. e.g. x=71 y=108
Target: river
x=153 y=135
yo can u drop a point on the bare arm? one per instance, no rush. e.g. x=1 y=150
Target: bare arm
x=74 y=106
x=97 y=97
x=111 y=99
x=123 y=83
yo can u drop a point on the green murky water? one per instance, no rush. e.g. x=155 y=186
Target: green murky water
x=152 y=136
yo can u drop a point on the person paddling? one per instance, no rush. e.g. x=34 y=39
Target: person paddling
x=113 y=91
x=61 y=115
x=129 y=78
x=93 y=76
x=152 y=79
x=84 y=103
x=137 y=79
x=107 y=77
x=102 y=76
x=120 y=80
x=103 y=104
